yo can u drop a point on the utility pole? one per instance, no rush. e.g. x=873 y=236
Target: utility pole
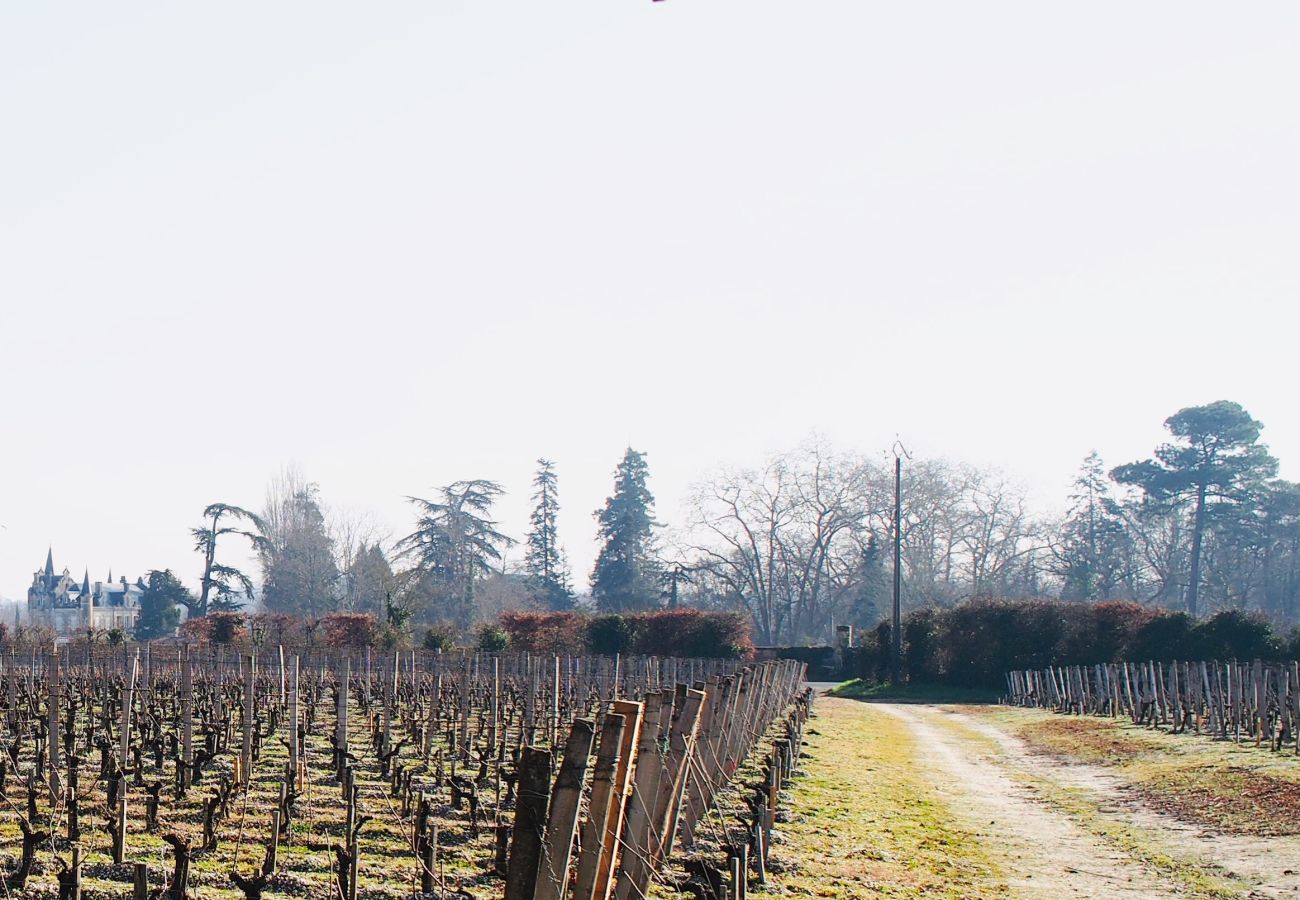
x=896 y=652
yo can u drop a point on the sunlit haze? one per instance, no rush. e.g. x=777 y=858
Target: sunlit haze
x=403 y=244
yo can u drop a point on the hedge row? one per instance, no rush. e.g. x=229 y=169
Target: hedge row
x=668 y=632
x=974 y=644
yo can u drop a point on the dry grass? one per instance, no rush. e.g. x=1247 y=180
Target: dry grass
x=1228 y=787
x=1090 y=741
x=864 y=822
x=1232 y=799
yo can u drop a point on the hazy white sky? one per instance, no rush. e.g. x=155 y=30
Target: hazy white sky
x=406 y=243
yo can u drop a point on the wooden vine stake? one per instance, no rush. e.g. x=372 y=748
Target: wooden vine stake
x=604 y=798
x=562 y=820
x=246 y=751
x=530 y=818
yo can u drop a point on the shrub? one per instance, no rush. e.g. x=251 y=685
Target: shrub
x=1166 y=635
x=922 y=644
x=227 y=627
x=1292 y=648
x=349 y=630
x=492 y=638
x=1233 y=634
x=692 y=632
x=974 y=644
x=390 y=637
x=438 y=637
x=273 y=628
x=557 y=632
x=725 y=635
x=610 y=634
x=675 y=632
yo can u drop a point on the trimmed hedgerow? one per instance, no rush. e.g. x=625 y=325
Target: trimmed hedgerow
x=974 y=644
x=668 y=632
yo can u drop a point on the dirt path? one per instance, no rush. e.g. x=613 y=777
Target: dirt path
x=1042 y=852
x=913 y=800
x=1271 y=866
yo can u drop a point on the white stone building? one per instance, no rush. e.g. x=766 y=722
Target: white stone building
x=70 y=608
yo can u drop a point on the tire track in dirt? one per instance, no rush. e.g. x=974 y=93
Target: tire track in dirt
x=1044 y=854
x=1270 y=865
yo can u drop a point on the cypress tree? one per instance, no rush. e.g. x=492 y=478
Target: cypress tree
x=626 y=574
x=548 y=573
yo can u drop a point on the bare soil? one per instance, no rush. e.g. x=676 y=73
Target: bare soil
x=1071 y=814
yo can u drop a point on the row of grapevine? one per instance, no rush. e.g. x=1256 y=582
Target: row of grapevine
x=166 y=771
x=1255 y=701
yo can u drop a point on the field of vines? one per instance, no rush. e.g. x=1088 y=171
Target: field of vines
x=1232 y=700
x=174 y=772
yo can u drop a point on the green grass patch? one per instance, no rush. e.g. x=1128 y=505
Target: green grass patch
x=865 y=821
x=912 y=692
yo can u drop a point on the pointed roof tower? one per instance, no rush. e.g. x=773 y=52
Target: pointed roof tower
x=49 y=562
x=85 y=584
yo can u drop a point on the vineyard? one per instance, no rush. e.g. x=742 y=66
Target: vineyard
x=1231 y=700
x=172 y=773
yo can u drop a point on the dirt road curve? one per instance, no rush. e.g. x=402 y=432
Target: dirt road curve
x=1042 y=852
x=1041 y=828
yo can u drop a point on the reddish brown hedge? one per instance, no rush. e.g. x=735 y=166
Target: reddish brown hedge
x=668 y=632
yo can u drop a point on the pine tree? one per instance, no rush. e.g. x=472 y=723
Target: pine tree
x=1094 y=553
x=1215 y=465
x=548 y=572
x=626 y=576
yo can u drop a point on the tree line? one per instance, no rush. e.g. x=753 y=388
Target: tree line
x=448 y=573
x=803 y=542
x=799 y=544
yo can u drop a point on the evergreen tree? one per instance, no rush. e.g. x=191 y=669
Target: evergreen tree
x=454 y=544
x=548 y=572
x=159 y=602
x=299 y=575
x=1216 y=465
x=368 y=581
x=1093 y=558
x=871 y=595
x=626 y=575
x=219 y=582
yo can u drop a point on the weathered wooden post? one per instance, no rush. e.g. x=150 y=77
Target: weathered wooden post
x=603 y=798
x=428 y=858
x=246 y=751
x=127 y=699
x=52 y=743
x=187 y=720
x=341 y=733
x=624 y=774
x=530 y=819
x=496 y=701
x=553 y=726
x=119 y=827
x=293 y=724
x=634 y=861
x=681 y=746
